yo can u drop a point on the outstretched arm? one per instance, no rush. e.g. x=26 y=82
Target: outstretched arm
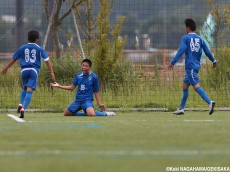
x=70 y=87
x=49 y=65
x=11 y=62
x=101 y=106
x=179 y=53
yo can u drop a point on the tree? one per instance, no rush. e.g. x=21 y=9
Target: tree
x=102 y=50
x=108 y=44
x=87 y=22
x=54 y=21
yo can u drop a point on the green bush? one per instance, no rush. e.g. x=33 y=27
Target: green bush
x=64 y=69
x=11 y=78
x=220 y=77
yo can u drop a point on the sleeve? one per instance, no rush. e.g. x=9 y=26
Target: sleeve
x=75 y=81
x=44 y=56
x=95 y=84
x=17 y=54
x=207 y=52
x=180 y=52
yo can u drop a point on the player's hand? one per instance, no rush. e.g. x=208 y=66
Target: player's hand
x=4 y=70
x=55 y=84
x=170 y=67
x=102 y=107
x=214 y=64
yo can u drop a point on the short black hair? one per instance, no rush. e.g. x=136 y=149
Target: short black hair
x=33 y=35
x=87 y=61
x=191 y=24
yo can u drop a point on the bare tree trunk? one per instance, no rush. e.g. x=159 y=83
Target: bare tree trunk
x=78 y=35
x=19 y=28
x=56 y=21
x=47 y=34
x=48 y=6
x=56 y=41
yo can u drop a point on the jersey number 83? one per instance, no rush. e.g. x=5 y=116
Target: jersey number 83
x=30 y=55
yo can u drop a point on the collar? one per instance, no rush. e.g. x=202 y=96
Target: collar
x=82 y=74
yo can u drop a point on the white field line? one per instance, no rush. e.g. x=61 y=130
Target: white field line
x=199 y=120
x=59 y=121
x=15 y=118
x=118 y=152
x=22 y=120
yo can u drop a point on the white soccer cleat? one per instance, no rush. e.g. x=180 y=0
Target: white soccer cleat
x=179 y=112
x=110 y=113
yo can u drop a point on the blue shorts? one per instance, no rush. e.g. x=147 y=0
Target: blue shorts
x=191 y=77
x=29 y=77
x=75 y=106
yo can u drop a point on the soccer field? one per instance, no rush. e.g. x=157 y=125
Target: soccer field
x=128 y=142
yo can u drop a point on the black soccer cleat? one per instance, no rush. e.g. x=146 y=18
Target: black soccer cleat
x=21 y=113
x=211 y=107
x=19 y=108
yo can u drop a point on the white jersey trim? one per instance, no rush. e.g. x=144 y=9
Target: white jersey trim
x=81 y=74
x=25 y=69
x=34 y=44
x=46 y=59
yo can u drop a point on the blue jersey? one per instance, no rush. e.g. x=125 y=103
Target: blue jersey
x=87 y=85
x=30 y=55
x=192 y=45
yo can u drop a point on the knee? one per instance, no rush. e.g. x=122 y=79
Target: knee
x=67 y=113
x=196 y=86
x=185 y=86
x=91 y=114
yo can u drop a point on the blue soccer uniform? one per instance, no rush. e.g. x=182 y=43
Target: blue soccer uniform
x=30 y=55
x=192 y=45
x=87 y=85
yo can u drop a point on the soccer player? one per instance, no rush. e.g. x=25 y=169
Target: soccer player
x=30 y=55
x=192 y=45
x=87 y=83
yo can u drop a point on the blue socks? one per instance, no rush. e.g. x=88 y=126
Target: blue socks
x=203 y=95
x=22 y=96
x=98 y=113
x=80 y=113
x=200 y=91
x=27 y=99
x=184 y=99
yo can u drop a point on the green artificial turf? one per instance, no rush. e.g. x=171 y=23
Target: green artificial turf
x=128 y=142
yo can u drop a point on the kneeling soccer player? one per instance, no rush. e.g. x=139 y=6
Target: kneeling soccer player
x=87 y=83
